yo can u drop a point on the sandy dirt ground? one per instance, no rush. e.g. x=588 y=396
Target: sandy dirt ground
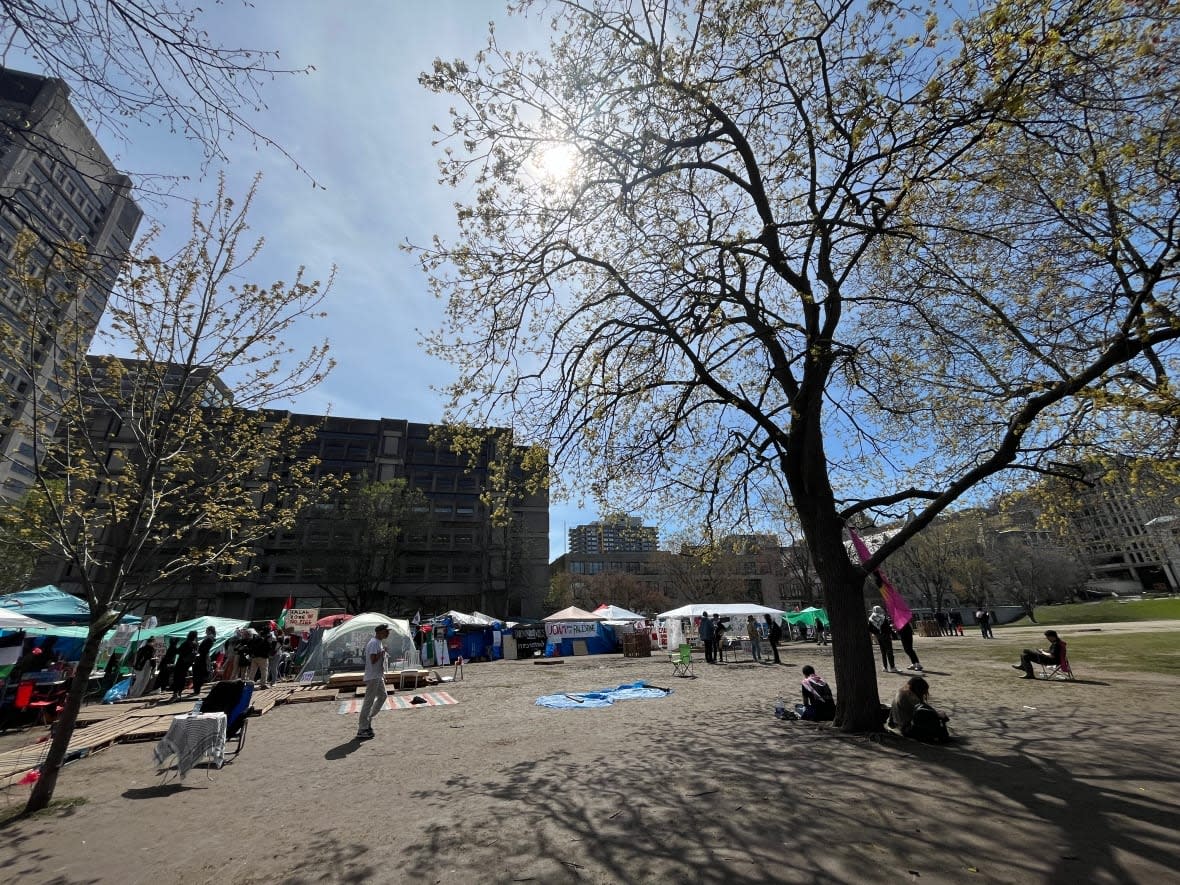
x=1047 y=782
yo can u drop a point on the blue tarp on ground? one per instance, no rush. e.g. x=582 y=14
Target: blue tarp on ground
x=602 y=698
x=53 y=606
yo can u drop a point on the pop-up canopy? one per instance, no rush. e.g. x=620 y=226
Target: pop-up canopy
x=725 y=609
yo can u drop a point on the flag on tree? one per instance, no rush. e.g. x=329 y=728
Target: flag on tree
x=899 y=612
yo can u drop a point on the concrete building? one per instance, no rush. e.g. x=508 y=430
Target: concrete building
x=56 y=182
x=452 y=553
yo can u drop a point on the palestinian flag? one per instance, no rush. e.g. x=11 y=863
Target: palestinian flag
x=287 y=606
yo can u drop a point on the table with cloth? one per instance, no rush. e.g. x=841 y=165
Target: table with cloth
x=191 y=738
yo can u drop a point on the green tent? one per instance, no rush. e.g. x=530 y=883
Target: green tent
x=808 y=616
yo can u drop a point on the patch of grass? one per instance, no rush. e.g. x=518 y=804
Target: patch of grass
x=10 y=813
x=1107 y=611
x=1138 y=652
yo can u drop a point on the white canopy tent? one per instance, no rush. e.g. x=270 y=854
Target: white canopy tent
x=573 y=613
x=617 y=614
x=674 y=630
x=725 y=609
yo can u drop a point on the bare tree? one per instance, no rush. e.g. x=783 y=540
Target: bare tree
x=168 y=463
x=860 y=253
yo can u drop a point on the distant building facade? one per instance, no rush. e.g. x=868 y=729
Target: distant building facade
x=56 y=181
x=618 y=534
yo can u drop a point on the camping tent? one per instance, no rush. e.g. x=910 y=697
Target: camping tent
x=343 y=647
x=572 y=629
x=53 y=606
x=472 y=637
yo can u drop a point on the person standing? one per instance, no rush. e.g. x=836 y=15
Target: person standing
x=186 y=654
x=906 y=636
x=276 y=644
x=201 y=664
x=260 y=651
x=376 y=658
x=143 y=669
x=164 y=675
x=774 y=630
x=705 y=631
x=882 y=629
x=718 y=639
x=755 y=638
x=985 y=627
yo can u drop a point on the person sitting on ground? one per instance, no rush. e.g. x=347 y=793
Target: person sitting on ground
x=914 y=717
x=1050 y=656
x=818 y=704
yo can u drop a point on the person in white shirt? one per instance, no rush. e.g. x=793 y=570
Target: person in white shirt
x=375 y=694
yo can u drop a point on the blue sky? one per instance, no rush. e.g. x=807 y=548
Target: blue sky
x=361 y=125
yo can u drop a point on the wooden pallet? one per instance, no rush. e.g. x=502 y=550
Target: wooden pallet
x=95 y=737
x=308 y=697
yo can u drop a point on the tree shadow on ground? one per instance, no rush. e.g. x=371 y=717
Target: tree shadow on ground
x=741 y=797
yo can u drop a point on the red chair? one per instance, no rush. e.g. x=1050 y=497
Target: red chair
x=24 y=695
x=1060 y=670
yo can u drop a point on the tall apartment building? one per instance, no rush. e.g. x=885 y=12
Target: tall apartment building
x=56 y=181
x=618 y=534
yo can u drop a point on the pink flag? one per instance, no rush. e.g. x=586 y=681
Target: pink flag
x=895 y=605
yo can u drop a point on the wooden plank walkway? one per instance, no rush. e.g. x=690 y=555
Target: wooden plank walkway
x=100 y=726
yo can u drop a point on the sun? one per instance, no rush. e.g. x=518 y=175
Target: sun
x=557 y=162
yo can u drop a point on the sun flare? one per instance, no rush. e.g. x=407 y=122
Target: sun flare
x=558 y=161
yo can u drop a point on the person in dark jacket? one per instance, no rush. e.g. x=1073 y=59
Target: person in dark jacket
x=774 y=630
x=1049 y=656
x=185 y=655
x=818 y=703
x=705 y=631
x=201 y=664
x=164 y=674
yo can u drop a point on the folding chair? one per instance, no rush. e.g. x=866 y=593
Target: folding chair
x=681 y=661
x=1060 y=670
x=233 y=699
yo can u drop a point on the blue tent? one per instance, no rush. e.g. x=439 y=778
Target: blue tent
x=53 y=606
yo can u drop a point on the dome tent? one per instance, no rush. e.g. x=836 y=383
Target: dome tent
x=343 y=647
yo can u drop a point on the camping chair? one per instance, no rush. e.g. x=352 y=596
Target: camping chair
x=232 y=699
x=21 y=698
x=681 y=661
x=1060 y=670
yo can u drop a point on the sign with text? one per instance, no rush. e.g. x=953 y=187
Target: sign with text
x=301 y=618
x=559 y=630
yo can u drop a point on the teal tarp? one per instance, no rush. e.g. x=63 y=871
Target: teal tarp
x=53 y=606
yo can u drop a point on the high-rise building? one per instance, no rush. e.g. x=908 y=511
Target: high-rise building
x=57 y=183
x=616 y=534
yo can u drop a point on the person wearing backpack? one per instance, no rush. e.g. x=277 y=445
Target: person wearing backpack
x=912 y=714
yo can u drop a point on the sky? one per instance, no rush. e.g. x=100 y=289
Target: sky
x=361 y=125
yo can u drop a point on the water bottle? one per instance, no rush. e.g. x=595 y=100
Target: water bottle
x=196 y=707
x=780 y=708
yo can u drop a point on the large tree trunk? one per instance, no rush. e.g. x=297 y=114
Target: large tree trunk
x=63 y=731
x=858 y=703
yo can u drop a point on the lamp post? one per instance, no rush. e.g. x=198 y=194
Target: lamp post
x=1164 y=528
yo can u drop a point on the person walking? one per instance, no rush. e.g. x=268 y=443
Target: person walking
x=201 y=664
x=906 y=636
x=774 y=630
x=705 y=631
x=882 y=629
x=755 y=638
x=376 y=658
